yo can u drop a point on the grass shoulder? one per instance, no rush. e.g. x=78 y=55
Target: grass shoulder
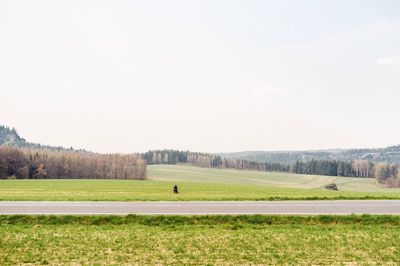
x=199 y=240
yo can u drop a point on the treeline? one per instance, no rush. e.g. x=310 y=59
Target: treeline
x=357 y=168
x=165 y=156
x=334 y=168
x=209 y=161
x=39 y=164
x=216 y=161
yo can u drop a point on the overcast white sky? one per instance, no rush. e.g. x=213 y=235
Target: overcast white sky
x=127 y=76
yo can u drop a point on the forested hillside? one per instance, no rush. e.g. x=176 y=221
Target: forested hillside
x=389 y=155
x=22 y=159
x=10 y=137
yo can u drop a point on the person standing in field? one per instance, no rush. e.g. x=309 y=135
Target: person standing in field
x=176 y=189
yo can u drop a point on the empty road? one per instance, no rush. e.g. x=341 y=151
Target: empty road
x=204 y=207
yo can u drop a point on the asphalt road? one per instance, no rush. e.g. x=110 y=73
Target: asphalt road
x=204 y=207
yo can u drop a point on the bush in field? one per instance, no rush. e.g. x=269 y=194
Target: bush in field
x=331 y=186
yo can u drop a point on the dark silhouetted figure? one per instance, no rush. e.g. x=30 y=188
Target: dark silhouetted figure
x=176 y=189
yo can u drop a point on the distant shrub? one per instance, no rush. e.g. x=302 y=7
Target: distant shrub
x=331 y=186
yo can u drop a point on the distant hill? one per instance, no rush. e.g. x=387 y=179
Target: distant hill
x=10 y=137
x=389 y=154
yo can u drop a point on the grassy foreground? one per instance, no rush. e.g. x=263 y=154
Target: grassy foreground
x=196 y=184
x=226 y=240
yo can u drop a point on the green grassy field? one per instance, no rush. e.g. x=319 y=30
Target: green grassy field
x=197 y=184
x=183 y=173
x=226 y=240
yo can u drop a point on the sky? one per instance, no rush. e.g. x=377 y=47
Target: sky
x=208 y=76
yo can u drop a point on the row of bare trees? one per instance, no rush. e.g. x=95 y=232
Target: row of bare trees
x=216 y=161
x=38 y=164
x=388 y=174
x=385 y=173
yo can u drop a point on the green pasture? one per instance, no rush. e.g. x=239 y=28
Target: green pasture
x=216 y=240
x=185 y=173
x=196 y=184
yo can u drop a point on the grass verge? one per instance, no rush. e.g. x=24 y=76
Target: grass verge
x=223 y=240
x=166 y=220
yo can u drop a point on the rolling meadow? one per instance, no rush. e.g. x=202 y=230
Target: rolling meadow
x=197 y=183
